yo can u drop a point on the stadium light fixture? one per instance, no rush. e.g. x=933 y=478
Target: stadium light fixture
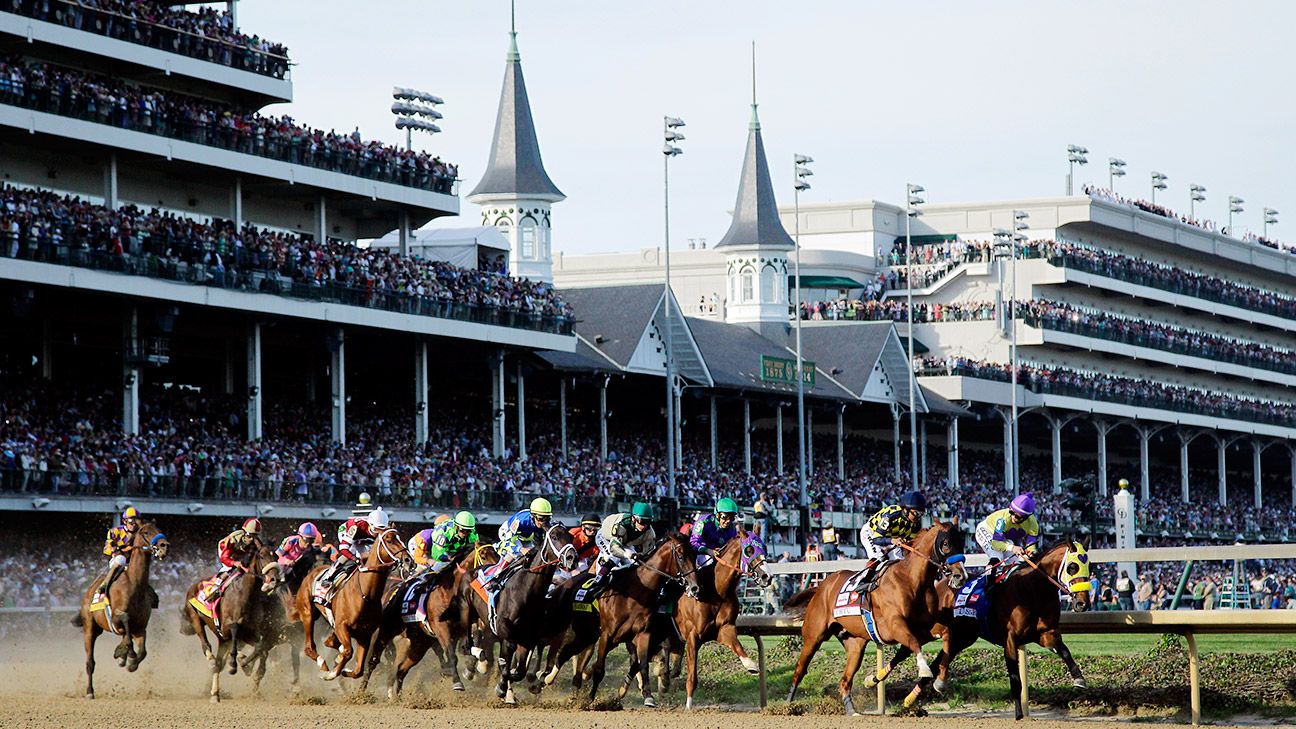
x=1234 y=206
x=1115 y=168
x=1196 y=194
x=1270 y=218
x=415 y=111
x=194 y=507
x=800 y=172
x=1158 y=183
x=40 y=502
x=1075 y=156
x=671 y=136
x=913 y=198
x=327 y=512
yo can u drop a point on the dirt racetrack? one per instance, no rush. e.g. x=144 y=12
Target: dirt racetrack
x=42 y=680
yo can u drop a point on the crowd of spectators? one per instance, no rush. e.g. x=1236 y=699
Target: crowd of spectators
x=107 y=100
x=897 y=310
x=206 y=33
x=1050 y=379
x=46 y=226
x=1091 y=322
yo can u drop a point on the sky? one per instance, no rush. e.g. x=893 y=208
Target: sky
x=972 y=100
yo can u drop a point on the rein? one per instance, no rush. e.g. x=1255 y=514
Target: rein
x=1051 y=578
x=926 y=557
x=557 y=553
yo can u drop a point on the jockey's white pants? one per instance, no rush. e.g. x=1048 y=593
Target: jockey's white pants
x=985 y=538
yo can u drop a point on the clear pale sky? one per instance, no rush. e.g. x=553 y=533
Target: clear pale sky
x=973 y=100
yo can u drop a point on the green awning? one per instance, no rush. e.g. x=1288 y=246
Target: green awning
x=927 y=239
x=825 y=282
x=919 y=347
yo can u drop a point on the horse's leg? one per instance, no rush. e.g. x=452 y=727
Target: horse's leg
x=222 y=653
x=632 y=670
x=363 y=645
x=234 y=648
x=901 y=655
x=1052 y=640
x=89 y=633
x=814 y=631
x=140 y=650
x=294 y=652
x=123 y=650
x=1014 y=678
x=855 y=646
x=521 y=656
x=642 y=644
x=308 y=639
x=600 y=665
x=408 y=655
x=502 y=662
x=343 y=633
x=727 y=636
x=956 y=641
x=691 y=645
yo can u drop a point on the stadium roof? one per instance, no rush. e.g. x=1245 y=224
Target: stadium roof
x=623 y=325
x=515 y=167
x=733 y=355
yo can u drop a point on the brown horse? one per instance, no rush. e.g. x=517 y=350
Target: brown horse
x=130 y=602
x=905 y=607
x=248 y=612
x=624 y=612
x=443 y=627
x=713 y=613
x=356 y=608
x=1024 y=609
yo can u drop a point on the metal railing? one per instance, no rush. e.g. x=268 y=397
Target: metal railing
x=70 y=14
x=46 y=250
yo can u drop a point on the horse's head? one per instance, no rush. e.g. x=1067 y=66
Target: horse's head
x=267 y=565
x=754 y=562
x=559 y=547
x=947 y=551
x=389 y=551
x=675 y=558
x=151 y=539
x=1074 y=574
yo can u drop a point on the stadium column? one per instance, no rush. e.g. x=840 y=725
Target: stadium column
x=227 y=381
x=562 y=415
x=1145 y=486
x=778 y=436
x=131 y=374
x=922 y=454
x=254 y=381
x=809 y=436
x=1292 y=452
x=521 y=413
x=236 y=202
x=321 y=220
x=895 y=437
x=1185 y=437
x=1221 y=463
x=47 y=349
x=603 y=418
x=1103 y=427
x=1055 y=425
x=952 y=445
x=841 y=442
x=420 y=391
x=715 y=436
x=497 y=404
x=110 y=181
x=404 y=225
x=1257 y=448
x=747 y=436
x=338 y=377
x=1008 y=440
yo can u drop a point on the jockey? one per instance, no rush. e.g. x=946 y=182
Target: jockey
x=621 y=539
x=713 y=531
x=235 y=553
x=117 y=545
x=294 y=546
x=1009 y=533
x=583 y=539
x=519 y=532
x=354 y=538
x=892 y=526
x=436 y=548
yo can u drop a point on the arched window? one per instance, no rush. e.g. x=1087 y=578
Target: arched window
x=527 y=239
x=748 y=286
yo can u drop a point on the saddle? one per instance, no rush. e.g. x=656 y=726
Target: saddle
x=867 y=579
x=328 y=582
x=207 y=599
x=998 y=572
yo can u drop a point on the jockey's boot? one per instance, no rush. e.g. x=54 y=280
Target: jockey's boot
x=113 y=571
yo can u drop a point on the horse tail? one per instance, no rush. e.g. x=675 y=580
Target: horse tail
x=798 y=603
x=78 y=620
x=186 y=626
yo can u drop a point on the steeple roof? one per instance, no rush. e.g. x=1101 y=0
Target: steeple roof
x=755 y=217
x=515 y=167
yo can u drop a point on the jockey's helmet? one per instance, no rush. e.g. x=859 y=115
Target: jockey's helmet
x=726 y=506
x=465 y=520
x=1023 y=505
x=378 y=518
x=307 y=530
x=541 y=507
x=252 y=526
x=130 y=515
x=642 y=510
x=591 y=519
x=914 y=500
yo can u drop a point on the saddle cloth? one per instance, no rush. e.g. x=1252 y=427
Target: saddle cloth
x=851 y=602
x=586 y=598
x=973 y=601
x=207 y=599
x=321 y=592
x=413 y=601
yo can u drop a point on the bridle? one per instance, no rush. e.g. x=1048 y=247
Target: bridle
x=564 y=556
x=682 y=569
x=388 y=557
x=943 y=569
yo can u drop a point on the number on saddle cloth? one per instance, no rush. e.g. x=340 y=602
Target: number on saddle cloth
x=973 y=602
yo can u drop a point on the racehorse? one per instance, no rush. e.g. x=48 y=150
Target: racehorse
x=1023 y=609
x=713 y=613
x=130 y=602
x=356 y=607
x=905 y=609
x=624 y=612
x=248 y=612
x=520 y=614
x=443 y=626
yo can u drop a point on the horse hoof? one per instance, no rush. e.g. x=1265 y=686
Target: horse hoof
x=500 y=693
x=870 y=681
x=320 y=662
x=688 y=703
x=482 y=667
x=330 y=676
x=510 y=699
x=1080 y=683
x=90 y=695
x=476 y=652
x=214 y=698
x=650 y=702
x=940 y=685
x=458 y=686
x=535 y=688
x=752 y=666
